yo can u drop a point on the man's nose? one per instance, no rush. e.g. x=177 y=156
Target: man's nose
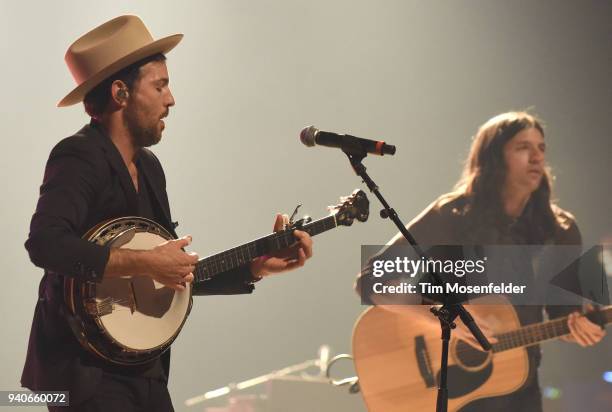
x=170 y=100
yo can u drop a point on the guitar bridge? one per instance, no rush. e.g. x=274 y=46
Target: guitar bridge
x=423 y=361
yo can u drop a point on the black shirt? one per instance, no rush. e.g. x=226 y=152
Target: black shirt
x=147 y=208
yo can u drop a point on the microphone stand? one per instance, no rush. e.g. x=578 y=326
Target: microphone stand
x=449 y=311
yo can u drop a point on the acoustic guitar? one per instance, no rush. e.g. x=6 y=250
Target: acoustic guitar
x=398 y=361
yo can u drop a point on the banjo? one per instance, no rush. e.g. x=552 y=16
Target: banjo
x=131 y=320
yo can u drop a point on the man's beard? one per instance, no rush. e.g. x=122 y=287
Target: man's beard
x=142 y=136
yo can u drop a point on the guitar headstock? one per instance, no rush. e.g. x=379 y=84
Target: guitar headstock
x=355 y=206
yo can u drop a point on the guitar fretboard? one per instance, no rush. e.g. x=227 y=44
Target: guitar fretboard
x=210 y=266
x=539 y=332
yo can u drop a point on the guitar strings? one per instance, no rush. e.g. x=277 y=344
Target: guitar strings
x=526 y=336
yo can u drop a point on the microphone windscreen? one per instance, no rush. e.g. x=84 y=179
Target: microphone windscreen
x=307 y=135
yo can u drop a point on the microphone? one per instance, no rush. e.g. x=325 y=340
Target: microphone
x=311 y=136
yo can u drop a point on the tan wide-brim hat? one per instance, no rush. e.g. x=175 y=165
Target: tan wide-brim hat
x=109 y=48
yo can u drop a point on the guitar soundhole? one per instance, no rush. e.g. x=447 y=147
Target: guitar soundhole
x=468 y=356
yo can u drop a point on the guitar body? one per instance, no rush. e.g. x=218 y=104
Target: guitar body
x=398 y=361
x=126 y=320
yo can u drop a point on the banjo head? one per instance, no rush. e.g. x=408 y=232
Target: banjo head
x=132 y=319
x=144 y=314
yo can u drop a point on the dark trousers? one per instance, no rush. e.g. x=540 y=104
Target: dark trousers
x=125 y=394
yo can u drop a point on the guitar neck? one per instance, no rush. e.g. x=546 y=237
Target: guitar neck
x=543 y=331
x=210 y=266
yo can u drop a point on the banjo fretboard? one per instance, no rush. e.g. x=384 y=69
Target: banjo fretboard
x=210 y=266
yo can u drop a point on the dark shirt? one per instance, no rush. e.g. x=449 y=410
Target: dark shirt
x=149 y=209
x=146 y=207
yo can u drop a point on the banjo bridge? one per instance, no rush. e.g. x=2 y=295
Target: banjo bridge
x=99 y=308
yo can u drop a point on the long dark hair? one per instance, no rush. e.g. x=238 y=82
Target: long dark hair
x=484 y=175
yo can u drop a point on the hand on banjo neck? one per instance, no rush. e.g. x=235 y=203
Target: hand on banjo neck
x=170 y=265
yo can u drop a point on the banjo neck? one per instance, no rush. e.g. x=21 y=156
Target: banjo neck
x=210 y=266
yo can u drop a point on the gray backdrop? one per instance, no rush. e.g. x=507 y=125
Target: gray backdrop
x=247 y=77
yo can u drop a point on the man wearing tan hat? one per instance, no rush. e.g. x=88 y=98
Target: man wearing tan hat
x=105 y=171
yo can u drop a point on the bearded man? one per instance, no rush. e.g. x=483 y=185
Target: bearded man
x=105 y=171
